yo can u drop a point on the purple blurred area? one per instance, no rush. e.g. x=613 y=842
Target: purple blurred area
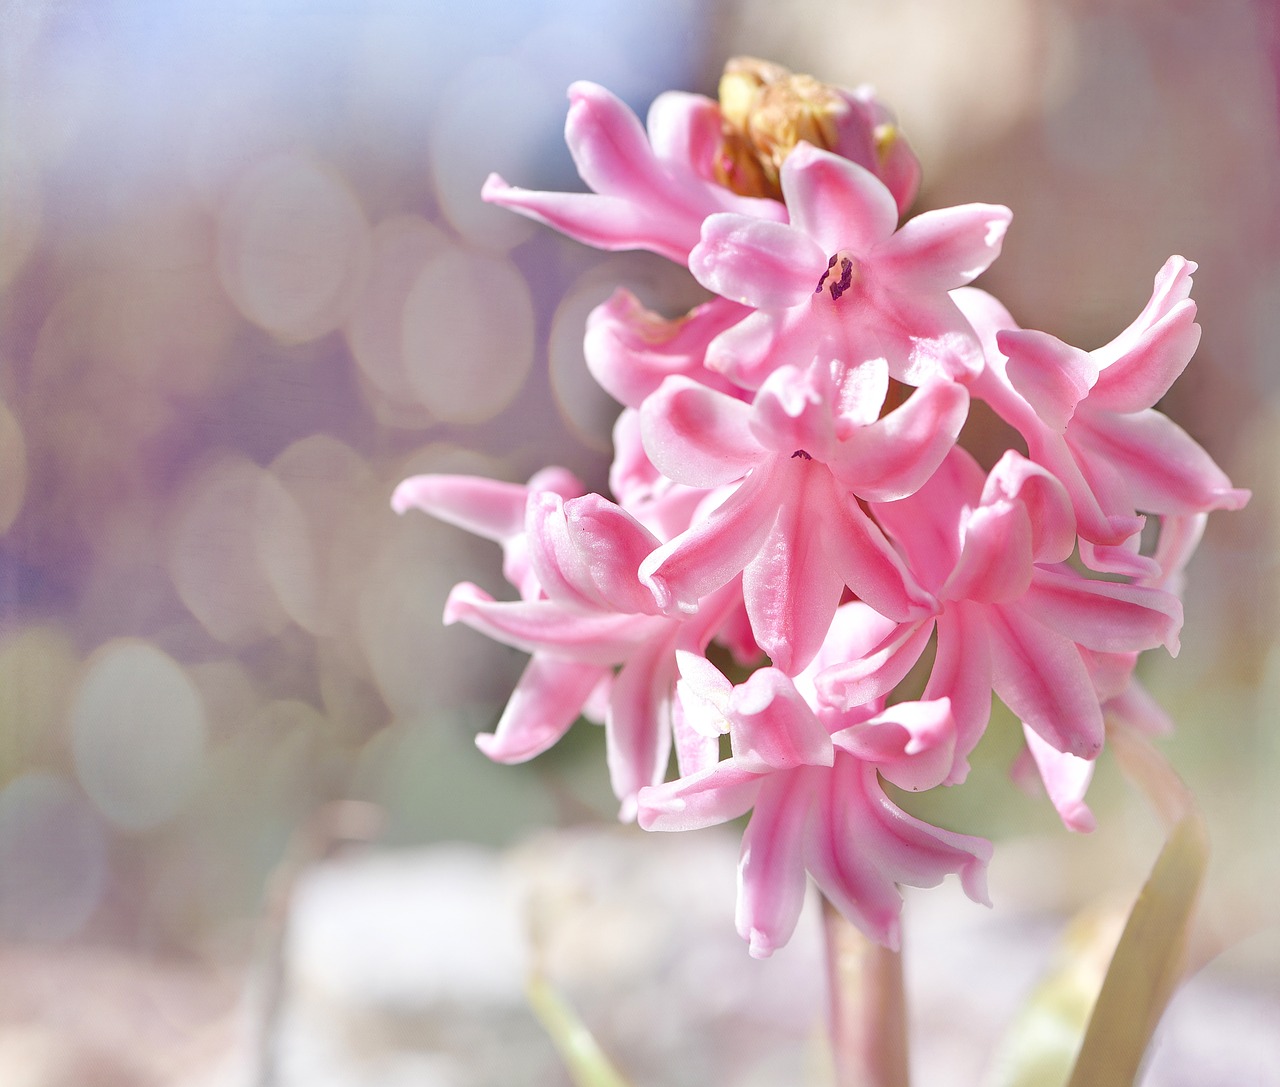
x=247 y=285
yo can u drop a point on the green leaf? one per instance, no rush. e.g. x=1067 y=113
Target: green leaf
x=582 y=1055
x=1130 y=997
x=1147 y=962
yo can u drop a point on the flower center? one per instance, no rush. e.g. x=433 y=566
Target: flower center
x=841 y=274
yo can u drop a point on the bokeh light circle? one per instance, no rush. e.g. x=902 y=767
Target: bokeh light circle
x=216 y=557
x=468 y=335
x=292 y=246
x=401 y=246
x=138 y=734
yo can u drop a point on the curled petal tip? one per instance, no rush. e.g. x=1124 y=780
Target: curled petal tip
x=459 y=602
x=584 y=88
x=401 y=497
x=890 y=934
x=974 y=881
x=998 y=224
x=759 y=945
x=1235 y=499
x=1079 y=818
x=494 y=188
x=491 y=746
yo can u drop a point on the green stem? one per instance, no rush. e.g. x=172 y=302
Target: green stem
x=868 y=1008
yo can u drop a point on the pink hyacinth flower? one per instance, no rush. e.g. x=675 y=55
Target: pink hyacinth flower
x=1089 y=417
x=789 y=518
x=488 y=508
x=593 y=616
x=648 y=191
x=840 y=283
x=818 y=805
x=836 y=823
x=1013 y=617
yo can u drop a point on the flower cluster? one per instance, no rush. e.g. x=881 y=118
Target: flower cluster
x=789 y=499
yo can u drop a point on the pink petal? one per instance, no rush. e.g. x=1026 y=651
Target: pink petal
x=1111 y=673
x=912 y=744
x=713 y=796
x=630 y=349
x=1066 y=780
x=558 y=564
x=704 y=692
x=1102 y=615
x=685 y=128
x=1179 y=537
x=1039 y=675
x=944 y=249
x=962 y=673
x=856 y=631
x=863 y=139
x=486 y=507
x=894 y=456
x=771 y=881
x=1053 y=523
x=927 y=524
x=1051 y=376
x=752 y=349
x=697 y=436
x=1099 y=493
x=860 y=871
x=546 y=701
x=685 y=134
x=716 y=548
x=1150 y=365
x=844 y=858
x=861 y=555
x=1125 y=559
x=695 y=751
x=862 y=680
x=603 y=222
x=913 y=852
x=995 y=561
x=609 y=145
x=638 y=724
x=1135 y=708
x=759 y=263
x=1165 y=469
x=1140 y=364
x=611 y=544
x=548 y=626
x=922 y=335
x=793 y=411
x=836 y=202
x=773 y=728
x=791 y=588
x=987 y=316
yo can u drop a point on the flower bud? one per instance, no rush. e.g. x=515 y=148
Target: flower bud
x=767 y=110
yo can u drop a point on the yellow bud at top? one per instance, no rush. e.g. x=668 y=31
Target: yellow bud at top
x=765 y=111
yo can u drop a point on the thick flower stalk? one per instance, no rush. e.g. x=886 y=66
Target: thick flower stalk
x=789 y=493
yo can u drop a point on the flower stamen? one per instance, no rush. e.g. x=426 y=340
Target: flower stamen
x=837 y=286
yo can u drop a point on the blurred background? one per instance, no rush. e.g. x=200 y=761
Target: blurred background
x=247 y=285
